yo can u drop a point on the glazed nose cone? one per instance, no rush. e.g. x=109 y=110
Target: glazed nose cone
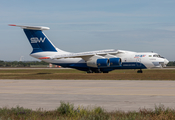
x=166 y=61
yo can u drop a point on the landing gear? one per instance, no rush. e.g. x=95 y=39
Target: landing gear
x=89 y=71
x=140 y=71
x=97 y=71
x=105 y=71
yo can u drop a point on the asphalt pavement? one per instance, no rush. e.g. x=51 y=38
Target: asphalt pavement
x=126 y=95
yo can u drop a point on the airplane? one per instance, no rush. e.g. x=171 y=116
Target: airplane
x=101 y=61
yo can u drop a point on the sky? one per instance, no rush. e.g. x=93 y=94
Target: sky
x=87 y=25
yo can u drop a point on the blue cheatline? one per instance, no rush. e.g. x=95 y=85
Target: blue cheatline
x=84 y=67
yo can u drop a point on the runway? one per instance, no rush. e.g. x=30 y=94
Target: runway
x=126 y=95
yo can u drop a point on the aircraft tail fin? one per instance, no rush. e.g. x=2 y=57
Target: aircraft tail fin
x=38 y=40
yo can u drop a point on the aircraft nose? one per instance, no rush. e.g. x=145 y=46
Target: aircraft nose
x=166 y=61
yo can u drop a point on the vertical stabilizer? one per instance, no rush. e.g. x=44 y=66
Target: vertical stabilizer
x=37 y=39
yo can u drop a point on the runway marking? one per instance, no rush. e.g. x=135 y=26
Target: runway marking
x=90 y=94
x=57 y=87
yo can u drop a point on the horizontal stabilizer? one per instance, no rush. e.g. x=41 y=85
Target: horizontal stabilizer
x=31 y=27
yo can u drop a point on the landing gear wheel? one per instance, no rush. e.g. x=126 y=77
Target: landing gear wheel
x=97 y=71
x=140 y=71
x=89 y=71
x=105 y=71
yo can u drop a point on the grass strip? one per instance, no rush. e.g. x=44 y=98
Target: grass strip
x=67 y=74
x=67 y=111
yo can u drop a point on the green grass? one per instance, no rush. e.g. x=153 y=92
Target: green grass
x=67 y=111
x=67 y=74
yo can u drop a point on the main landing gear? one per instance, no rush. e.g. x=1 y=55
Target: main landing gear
x=140 y=71
x=105 y=71
x=89 y=71
x=96 y=71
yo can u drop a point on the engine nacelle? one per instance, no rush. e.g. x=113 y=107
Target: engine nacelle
x=103 y=62
x=115 y=62
x=98 y=62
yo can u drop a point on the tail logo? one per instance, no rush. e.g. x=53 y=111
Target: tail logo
x=37 y=40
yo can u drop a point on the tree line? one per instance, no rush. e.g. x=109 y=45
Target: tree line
x=21 y=63
x=171 y=63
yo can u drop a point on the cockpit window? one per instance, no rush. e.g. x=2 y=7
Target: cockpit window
x=155 y=55
x=158 y=56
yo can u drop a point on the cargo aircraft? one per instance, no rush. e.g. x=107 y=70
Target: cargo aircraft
x=92 y=61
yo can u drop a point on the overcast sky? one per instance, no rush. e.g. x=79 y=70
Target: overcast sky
x=86 y=25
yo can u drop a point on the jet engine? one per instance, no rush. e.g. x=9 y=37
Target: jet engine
x=115 y=62
x=98 y=61
x=104 y=61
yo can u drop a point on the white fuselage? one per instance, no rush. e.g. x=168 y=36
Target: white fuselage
x=130 y=60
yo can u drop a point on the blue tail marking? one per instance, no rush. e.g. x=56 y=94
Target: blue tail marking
x=39 y=41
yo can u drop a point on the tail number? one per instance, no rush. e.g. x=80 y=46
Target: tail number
x=37 y=40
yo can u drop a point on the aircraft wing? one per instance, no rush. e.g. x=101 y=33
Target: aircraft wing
x=85 y=55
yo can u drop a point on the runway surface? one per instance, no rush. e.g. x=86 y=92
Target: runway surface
x=110 y=94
